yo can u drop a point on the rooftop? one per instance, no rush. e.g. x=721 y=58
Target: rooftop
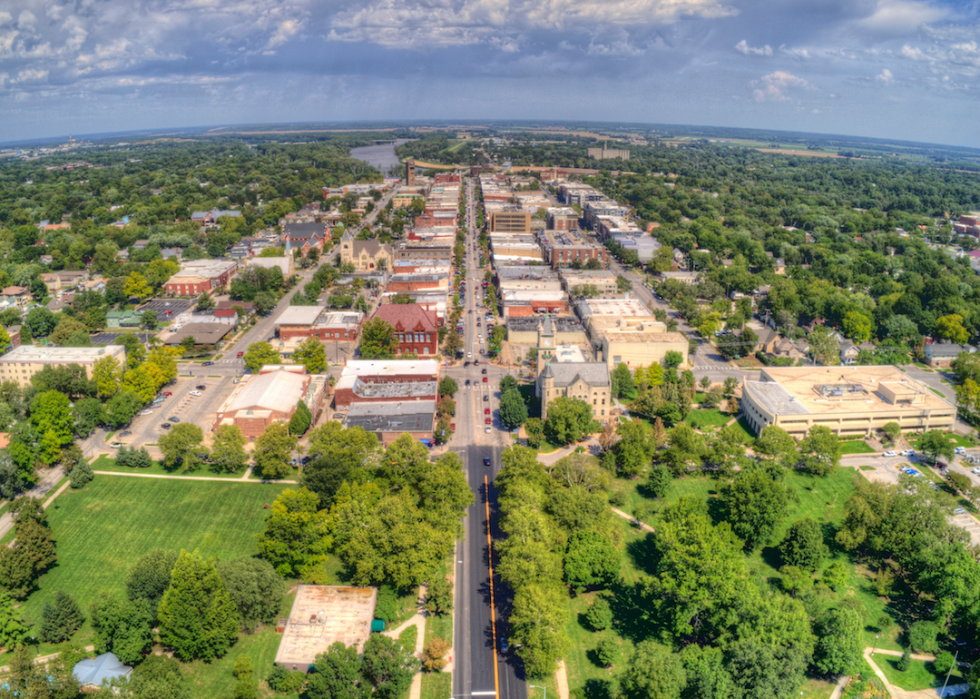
x=299 y=315
x=622 y=308
x=391 y=367
x=30 y=353
x=567 y=373
x=322 y=616
x=203 y=333
x=828 y=390
x=407 y=390
x=394 y=416
x=562 y=324
x=275 y=390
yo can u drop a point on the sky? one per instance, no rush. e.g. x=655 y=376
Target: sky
x=899 y=69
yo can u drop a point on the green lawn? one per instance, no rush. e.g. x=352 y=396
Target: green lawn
x=955 y=439
x=107 y=463
x=102 y=529
x=743 y=423
x=437 y=685
x=918 y=676
x=707 y=417
x=938 y=393
x=855 y=446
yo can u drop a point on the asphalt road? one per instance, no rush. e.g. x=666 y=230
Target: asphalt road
x=482 y=602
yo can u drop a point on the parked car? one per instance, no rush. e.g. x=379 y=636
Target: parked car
x=959 y=450
x=488 y=430
x=146 y=412
x=452 y=426
x=907 y=452
x=125 y=433
x=488 y=421
x=165 y=426
x=195 y=393
x=485 y=379
x=486 y=411
x=174 y=420
x=889 y=453
x=201 y=387
x=115 y=445
x=167 y=394
x=207 y=364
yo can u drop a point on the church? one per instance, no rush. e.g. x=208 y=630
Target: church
x=564 y=370
x=365 y=255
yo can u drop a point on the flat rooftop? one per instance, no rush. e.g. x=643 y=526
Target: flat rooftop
x=563 y=324
x=299 y=315
x=321 y=616
x=622 y=308
x=525 y=272
x=840 y=389
x=30 y=353
x=391 y=367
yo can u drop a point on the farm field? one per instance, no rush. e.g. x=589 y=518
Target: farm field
x=102 y=529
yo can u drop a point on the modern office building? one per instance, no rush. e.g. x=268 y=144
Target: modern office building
x=21 y=363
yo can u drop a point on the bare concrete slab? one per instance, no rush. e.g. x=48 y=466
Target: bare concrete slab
x=321 y=616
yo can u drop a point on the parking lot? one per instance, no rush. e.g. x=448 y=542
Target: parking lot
x=199 y=410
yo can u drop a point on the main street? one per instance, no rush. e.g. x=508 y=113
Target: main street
x=482 y=602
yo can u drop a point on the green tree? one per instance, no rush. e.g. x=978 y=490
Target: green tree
x=599 y=615
x=255 y=589
x=60 y=619
x=653 y=671
x=534 y=429
x=508 y=383
x=803 y=545
x=52 y=412
x=439 y=596
x=159 y=676
x=513 y=410
x=273 y=449
x=635 y=447
x=123 y=627
x=820 y=451
x=934 y=444
x=823 y=346
x=923 y=636
x=228 y=449
x=755 y=503
x=136 y=285
x=122 y=408
x=590 y=561
x=149 y=320
x=311 y=354
x=707 y=677
x=447 y=386
x=149 y=577
x=950 y=327
x=839 y=642
x=181 y=446
x=297 y=535
x=538 y=621
x=622 y=382
x=857 y=327
x=197 y=616
x=300 y=421
x=378 y=340
x=569 y=420
x=259 y=354
x=338 y=455
x=389 y=666
x=13 y=630
x=892 y=430
x=31 y=554
x=107 y=374
x=776 y=444
x=337 y=674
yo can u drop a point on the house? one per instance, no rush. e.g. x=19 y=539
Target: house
x=210 y=218
x=365 y=255
x=848 y=352
x=784 y=348
x=92 y=672
x=416 y=330
x=16 y=295
x=942 y=354
x=304 y=237
x=61 y=281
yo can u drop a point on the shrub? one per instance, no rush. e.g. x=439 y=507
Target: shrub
x=434 y=655
x=282 y=680
x=943 y=663
x=884 y=580
x=387 y=605
x=80 y=476
x=439 y=596
x=599 y=615
x=903 y=663
x=835 y=577
x=922 y=636
x=606 y=652
x=243 y=667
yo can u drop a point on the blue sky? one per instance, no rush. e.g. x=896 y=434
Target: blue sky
x=905 y=69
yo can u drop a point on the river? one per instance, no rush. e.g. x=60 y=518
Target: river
x=382 y=157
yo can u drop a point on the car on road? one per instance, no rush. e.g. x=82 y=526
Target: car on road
x=486 y=411
x=488 y=421
x=174 y=420
x=207 y=364
x=115 y=445
x=467 y=382
x=486 y=398
x=196 y=393
x=241 y=354
x=504 y=647
x=146 y=412
x=476 y=362
x=485 y=379
x=889 y=453
x=486 y=462
x=488 y=430
x=907 y=452
x=466 y=364
x=483 y=371
x=201 y=387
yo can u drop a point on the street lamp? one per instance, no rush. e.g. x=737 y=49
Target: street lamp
x=544 y=689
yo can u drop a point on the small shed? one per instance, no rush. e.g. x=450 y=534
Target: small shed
x=91 y=672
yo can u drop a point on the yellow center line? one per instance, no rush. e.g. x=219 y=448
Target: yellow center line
x=493 y=612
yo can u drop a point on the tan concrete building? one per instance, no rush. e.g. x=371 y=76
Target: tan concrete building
x=510 y=222
x=852 y=401
x=635 y=342
x=21 y=363
x=365 y=255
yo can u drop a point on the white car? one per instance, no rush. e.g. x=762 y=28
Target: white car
x=907 y=452
x=889 y=453
x=195 y=393
x=488 y=430
x=959 y=450
x=146 y=412
x=115 y=445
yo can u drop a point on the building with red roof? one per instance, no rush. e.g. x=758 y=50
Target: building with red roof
x=416 y=329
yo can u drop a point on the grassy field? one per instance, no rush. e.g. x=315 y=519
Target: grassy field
x=102 y=529
x=107 y=463
x=955 y=439
x=918 y=676
x=855 y=446
x=707 y=417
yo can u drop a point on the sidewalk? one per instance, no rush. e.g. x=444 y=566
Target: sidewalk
x=898 y=692
x=418 y=620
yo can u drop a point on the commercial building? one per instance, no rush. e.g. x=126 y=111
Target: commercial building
x=527 y=303
x=615 y=308
x=566 y=330
x=565 y=249
x=315 y=321
x=271 y=396
x=410 y=172
x=351 y=389
x=416 y=330
x=284 y=263
x=202 y=333
x=563 y=218
x=851 y=401
x=392 y=371
x=391 y=419
x=604 y=281
x=21 y=363
x=635 y=341
x=968 y=225
x=365 y=255
x=515 y=222
x=406 y=283
x=197 y=276
x=321 y=616
x=608 y=153
x=421 y=251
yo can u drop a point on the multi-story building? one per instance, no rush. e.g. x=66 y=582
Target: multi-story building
x=365 y=255
x=564 y=250
x=416 y=330
x=304 y=237
x=854 y=401
x=421 y=252
x=315 y=321
x=197 y=276
x=608 y=153
x=564 y=371
x=563 y=218
x=516 y=222
x=271 y=396
x=390 y=420
x=968 y=225
x=21 y=363
x=403 y=283
x=527 y=303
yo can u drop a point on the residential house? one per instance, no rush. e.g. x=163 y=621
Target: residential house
x=848 y=352
x=304 y=237
x=941 y=354
x=16 y=295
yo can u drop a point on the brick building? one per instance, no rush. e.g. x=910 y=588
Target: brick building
x=563 y=218
x=304 y=236
x=197 y=276
x=314 y=321
x=271 y=396
x=421 y=252
x=417 y=282
x=416 y=329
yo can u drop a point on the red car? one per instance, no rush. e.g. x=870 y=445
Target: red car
x=486 y=411
x=488 y=421
x=452 y=426
x=167 y=394
x=484 y=379
x=241 y=354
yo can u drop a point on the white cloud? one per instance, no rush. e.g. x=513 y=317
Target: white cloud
x=283 y=32
x=902 y=16
x=773 y=87
x=885 y=76
x=30 y=75
x=744 y=48
x=7 y=42
x=426 y=23
x=795 y=53
x=5 y=17
x=26 y=20
x=914 y=53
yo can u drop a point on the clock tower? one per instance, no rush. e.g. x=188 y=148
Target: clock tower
x=546 y=342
